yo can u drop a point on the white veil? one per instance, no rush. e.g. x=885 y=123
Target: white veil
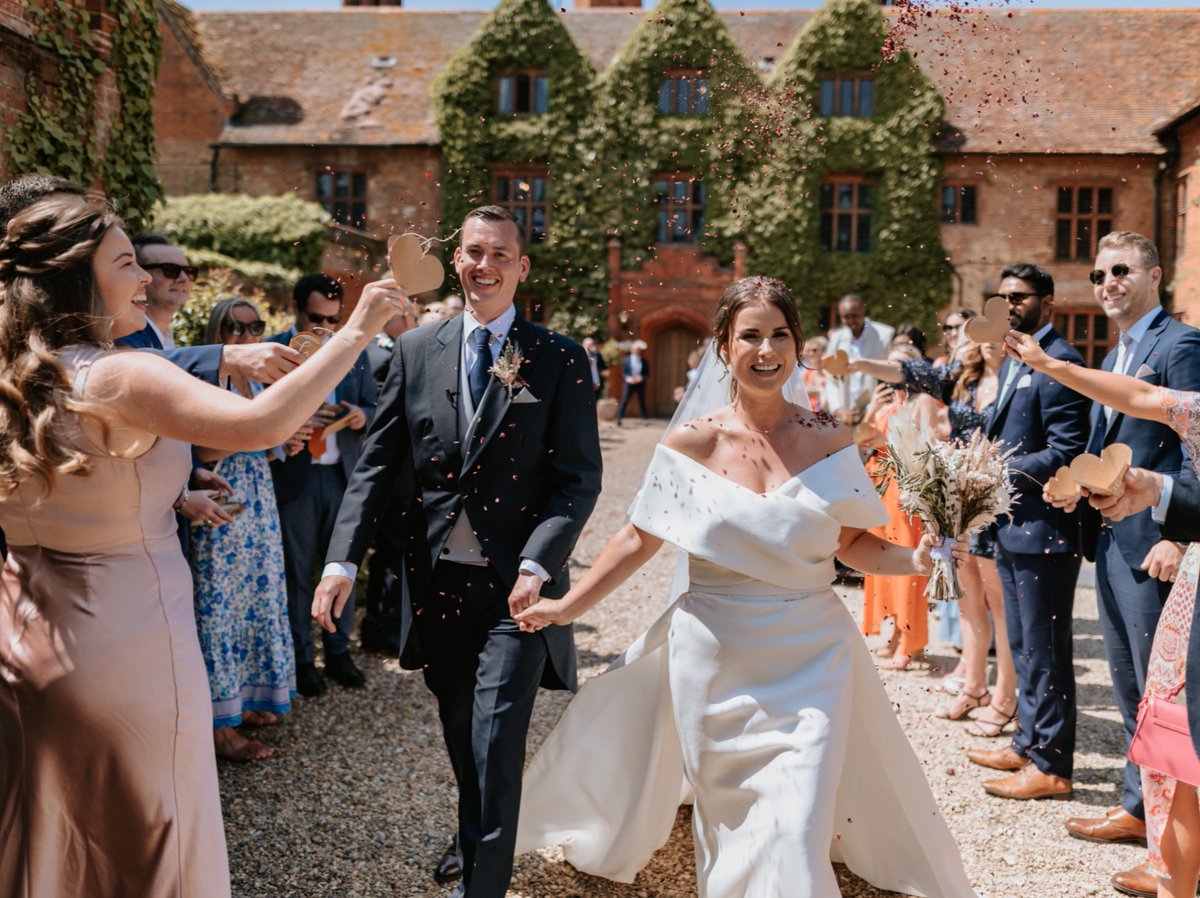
x=710 y=390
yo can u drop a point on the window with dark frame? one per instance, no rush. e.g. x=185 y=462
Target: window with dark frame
x=959 y=204
x=846 y=204
x=683 y=92
x=1181 y=214
x=848 y=94
x=525 y=191
x=1087 y=329
x=522 y=93
x=679 y=200
x=344 y=196
x=1084 y=215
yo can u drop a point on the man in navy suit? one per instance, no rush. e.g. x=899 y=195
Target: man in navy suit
x=1135 y=563
x=1037 y=549
x=309 y=486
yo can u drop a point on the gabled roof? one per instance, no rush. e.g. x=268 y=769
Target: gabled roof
x=182 y=22
x=1015 y=81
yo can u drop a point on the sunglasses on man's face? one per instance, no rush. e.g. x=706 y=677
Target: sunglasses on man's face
x=237 y=328
x=1014 y=299
x=171 y=271
x=1119 y=271
x=322 y=319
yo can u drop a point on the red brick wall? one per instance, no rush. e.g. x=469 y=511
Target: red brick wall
x=1017 y=200
x=1185 y=264
x=188 y=118
x=403 y=191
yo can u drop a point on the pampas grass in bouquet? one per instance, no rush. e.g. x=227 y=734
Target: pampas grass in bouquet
x=957 y=489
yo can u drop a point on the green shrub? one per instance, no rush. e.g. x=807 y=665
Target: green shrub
x=285 y=233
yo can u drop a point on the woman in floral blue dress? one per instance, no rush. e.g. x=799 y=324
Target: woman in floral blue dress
x=240 y=593
x=968 y=385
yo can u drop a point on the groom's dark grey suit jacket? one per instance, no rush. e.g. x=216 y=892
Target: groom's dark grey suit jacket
x=527 y=479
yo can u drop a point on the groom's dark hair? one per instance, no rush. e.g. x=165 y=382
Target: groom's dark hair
x=498 y=213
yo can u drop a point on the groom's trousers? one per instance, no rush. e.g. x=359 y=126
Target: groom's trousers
x=484 y=673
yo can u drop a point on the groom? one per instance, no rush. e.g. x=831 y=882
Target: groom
x=486 y=430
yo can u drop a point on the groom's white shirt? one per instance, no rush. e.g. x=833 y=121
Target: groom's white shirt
x=462 y=546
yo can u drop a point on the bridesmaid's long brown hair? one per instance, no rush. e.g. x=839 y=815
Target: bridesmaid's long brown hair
x=48 y=301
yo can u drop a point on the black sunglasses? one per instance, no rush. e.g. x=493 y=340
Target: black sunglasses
x=950 y=327
x=171 y=271
x=1014 y=298
x=1119 y=271
x=322 y=319
x=237 y=328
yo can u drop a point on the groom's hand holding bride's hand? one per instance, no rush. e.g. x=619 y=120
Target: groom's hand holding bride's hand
x=545 y=613
x=525 y=593
x=331 y=595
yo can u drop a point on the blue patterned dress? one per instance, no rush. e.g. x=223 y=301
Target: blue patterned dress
x=241 y=599
x=922 y=376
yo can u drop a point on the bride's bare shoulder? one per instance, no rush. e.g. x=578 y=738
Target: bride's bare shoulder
x=698 y=437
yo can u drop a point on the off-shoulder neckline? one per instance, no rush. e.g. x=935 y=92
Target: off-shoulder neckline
x=797 y=476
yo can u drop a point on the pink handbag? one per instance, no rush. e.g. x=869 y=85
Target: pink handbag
x=1163 y=741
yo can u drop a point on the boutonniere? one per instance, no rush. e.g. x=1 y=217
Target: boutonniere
x=507 y=369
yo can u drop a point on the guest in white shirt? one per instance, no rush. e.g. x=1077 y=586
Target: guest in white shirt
x=860 y=338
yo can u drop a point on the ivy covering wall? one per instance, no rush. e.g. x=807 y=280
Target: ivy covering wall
x=520 y=35
x=905 y=276
x=60 y=131
x=762 y=151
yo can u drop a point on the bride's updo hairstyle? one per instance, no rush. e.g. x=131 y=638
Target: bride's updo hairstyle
x=48 y=301
x=754 y=290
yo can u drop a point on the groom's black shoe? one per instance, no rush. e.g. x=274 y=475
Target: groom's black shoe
x=448 y=869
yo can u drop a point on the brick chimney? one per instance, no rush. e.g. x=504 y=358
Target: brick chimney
x=608 y=4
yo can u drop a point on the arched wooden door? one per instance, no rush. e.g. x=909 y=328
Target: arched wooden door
x=669 y=350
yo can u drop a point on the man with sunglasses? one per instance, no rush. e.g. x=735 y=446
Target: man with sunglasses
x=1136 y=557
x=309 y=487
x=1037 y=549
x=170 y=287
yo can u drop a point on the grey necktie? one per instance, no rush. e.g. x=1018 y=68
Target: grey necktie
x=1121 y=365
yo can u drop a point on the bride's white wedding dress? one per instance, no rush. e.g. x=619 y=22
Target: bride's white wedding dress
x=754 y=689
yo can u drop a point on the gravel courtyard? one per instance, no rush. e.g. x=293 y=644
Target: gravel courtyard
x=360 y=801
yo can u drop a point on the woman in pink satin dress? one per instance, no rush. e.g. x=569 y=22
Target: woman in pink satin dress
x=108 y=784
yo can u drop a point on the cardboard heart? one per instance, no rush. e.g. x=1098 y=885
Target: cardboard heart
x=305 y=343
x=411 y=268
x=1104 y=475
x=836 y=364
x=990 y=327
x=1062 y=485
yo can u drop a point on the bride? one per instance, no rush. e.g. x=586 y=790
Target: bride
x=754 y=688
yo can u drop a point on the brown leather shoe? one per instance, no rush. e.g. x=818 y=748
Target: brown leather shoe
x=1029 y=783
x=997 y=758
x=1136 y=881
x=1118 y=825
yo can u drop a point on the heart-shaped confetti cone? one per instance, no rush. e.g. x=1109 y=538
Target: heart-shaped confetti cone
x=836 y=364
x=414 y=270
x=1104 y=476
x=992 y=326
x=1062 y=485
x=305 y=343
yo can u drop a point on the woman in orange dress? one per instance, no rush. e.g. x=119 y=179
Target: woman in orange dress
x=900 y=598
